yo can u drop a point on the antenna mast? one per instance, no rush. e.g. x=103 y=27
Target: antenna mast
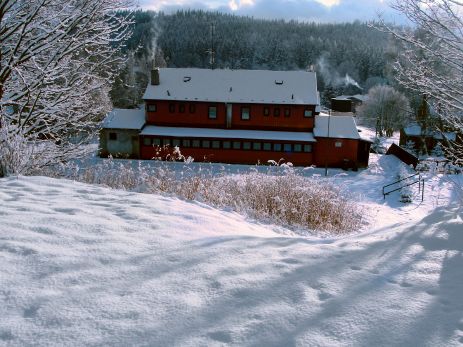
x=212 y=50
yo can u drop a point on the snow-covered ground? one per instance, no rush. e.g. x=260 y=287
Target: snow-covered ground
x=86 y=265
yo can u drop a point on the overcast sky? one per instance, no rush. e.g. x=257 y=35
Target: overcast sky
x=303 y=10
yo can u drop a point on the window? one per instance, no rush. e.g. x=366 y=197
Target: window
x=247 y=146
x=181 y=108
x=267 y=146
x=338 y=144
x=297 y=147
x=215 y=144
x=152 y=108
x=172 y=108
x=266 y=111
x=176 y=142
x=236 y=145
x=257 y=146
x=186 y=143
x=212 y=112
x=245 y=113
x=307 y=113
x=156 y=142
x=288 y=147
x=206 y=144
x=277 y=147
x=166 y=142
x=276 y=112
x=192 y=108
x=146 y=141
x=196 y=143
x=307 y=148
x=226 y=145
x=113 y=136
x=287 y=112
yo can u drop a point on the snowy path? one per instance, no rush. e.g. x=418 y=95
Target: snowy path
x=85 y=265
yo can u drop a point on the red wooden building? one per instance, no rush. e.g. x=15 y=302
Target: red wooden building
x=245 y=116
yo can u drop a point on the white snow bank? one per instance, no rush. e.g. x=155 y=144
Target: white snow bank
x=85 y=265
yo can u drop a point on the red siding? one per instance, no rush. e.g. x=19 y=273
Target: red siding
x=232 y=156
x=326 y=152
x=295 y=122
x=200 y=118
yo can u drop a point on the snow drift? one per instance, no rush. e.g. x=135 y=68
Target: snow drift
x=85 y=265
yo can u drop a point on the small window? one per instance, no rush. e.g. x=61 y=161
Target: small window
x=236 y=145
x=172 y=108
x=186 y=143
x=215 y=144
x=192 y=108
x=307 y=148
x=277 y=147
x=245 y=113
x=288 y=147
x=308 y=113
x=276 y=112
x=266 y=111
x=267 y=146
x=247 y=146
x=181 y=108
x=287 y=112
x=206 y=144
x=212 y=112
x=338 y=144
x=176 y=142
x=297 y=147
x=196 y=143
x=226 y=145
x=156 y=142
x=146 y=141
x=113 y=136
x=166 y=142
x=257 y=146
x=152 y=108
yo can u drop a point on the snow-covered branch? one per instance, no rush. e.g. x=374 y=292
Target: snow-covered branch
x=58 y=60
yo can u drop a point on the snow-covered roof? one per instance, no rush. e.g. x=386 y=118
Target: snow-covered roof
x=358 y=97
x=228 y=134
x=125 y=119
x=235 y=86
x=415 y=130
x=341 y=127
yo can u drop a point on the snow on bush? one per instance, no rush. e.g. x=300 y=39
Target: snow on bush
x=286 y=198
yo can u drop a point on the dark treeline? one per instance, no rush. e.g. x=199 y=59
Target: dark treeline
x=342 y=54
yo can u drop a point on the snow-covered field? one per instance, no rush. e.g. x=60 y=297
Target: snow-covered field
x=86 y=265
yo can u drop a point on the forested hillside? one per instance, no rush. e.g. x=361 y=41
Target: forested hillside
x=342 y=54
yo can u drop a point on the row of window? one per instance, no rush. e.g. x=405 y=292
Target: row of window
x=225 y=144
x=245 y=111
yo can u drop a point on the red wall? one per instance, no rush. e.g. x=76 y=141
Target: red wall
x=200 y=118
x=295 y=122
x=326 y=153
x=231 y=156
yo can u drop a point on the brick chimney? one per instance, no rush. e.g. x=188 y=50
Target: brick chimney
x=155 y=77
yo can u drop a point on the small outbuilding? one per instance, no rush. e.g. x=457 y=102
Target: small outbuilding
x=418 y=137
x=119 y=136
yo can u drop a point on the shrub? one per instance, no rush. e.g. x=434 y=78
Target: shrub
x=282 y=197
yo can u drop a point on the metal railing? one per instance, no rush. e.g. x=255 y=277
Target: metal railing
x=419 y=180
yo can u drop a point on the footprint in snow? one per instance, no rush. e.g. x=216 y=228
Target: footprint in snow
x=356 y=268
x=221 y=336
x=322 y=296
x=290 y=261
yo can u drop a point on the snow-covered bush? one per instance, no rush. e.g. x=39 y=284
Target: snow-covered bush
x=406 y=193
x=284 y=198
